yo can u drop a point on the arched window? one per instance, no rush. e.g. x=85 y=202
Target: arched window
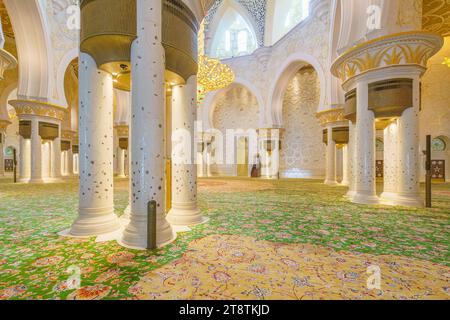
x=287 y=14
x=438 y=144
x=234 y=37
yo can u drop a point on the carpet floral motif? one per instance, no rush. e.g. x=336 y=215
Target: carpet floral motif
x=223 y=267
x=36 y=263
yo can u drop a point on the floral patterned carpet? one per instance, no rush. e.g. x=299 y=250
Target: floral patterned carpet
x=285 y=239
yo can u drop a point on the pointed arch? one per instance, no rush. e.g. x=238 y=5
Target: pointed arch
x=222 y=20
x=285 y=73
x=208 y=105
x=33 y=48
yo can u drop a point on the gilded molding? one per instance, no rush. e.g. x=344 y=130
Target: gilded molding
x=331 y=116
x=38 y=108
x=108 y=29
x=122 y=130
x=4 y=124
x=7 y=61
x=409 y=48
x=436 y=16
x=68 y=135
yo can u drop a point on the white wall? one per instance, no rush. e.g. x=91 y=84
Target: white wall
x=302 y=149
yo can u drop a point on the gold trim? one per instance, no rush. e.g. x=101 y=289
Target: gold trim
x=331 y=116
x=168 y=185
x=123 y=130
x=38 y=108
x=407 y=48
x=4 y=124
x=67 y=134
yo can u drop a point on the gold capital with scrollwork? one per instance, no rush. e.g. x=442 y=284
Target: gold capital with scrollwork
x=122 y=130
x=331 y=116
x=4 y=124
x=38 y=108
x=408 y=48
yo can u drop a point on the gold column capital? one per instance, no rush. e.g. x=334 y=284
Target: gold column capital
x=331 y=116
x=407 y=48
x=38 y=108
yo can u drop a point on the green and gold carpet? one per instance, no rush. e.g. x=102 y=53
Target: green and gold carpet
x=265 y=240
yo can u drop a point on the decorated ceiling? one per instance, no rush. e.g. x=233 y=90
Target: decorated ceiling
x=436 y=16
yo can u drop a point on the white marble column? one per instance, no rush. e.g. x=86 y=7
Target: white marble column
x=147 y=128
x=391 y=149
x=409 y=153
x=36 y=153
x=56 y=157
x=351 y=160
x=121 y=163
x=96 y=204
x=75 y=164
x=270 y=160
x=331 y=158
x=184 y=210
x=24 y=161
x=345 y=166
x=2 y=159
x=364 y=149
x=70 y=162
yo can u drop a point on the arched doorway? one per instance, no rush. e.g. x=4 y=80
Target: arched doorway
x=302 y=153
x=235 y=113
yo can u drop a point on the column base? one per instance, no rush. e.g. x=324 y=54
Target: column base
x=184 y=217
x=350 y=194
x=344 y=183
x=120 y=176
x=135 y=234
x=127 y=213
x=267 y=177
x=94 y=222
x=331 y=182
x=409 y=201
x=361 y=198
x=36 y=180
x=388 y=198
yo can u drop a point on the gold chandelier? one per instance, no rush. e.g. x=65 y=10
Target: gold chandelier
x=213 y=74
x=446 y=61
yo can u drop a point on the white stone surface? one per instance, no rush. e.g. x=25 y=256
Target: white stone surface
x=331 y=158
x=365 y=188
x=121 y=163
x=351 y=164
x=56 y=156
x=391 y=165
x=409 y=161
x=345 y=166
x=96 y=203
x=184 y=211
x=302 y=149
x=36 y=152
x=147 y=128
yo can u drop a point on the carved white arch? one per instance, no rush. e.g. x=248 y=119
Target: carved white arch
x=284 y=74
x=4 y=99
x=33 y=47
x=208 y=106
x=61 y=72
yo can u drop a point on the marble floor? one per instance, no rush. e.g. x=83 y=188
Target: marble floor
x=295 y=239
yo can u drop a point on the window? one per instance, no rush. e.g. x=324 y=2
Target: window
x=242 y=42
x=438 y=145
x=234 y=37
x=288 y=14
